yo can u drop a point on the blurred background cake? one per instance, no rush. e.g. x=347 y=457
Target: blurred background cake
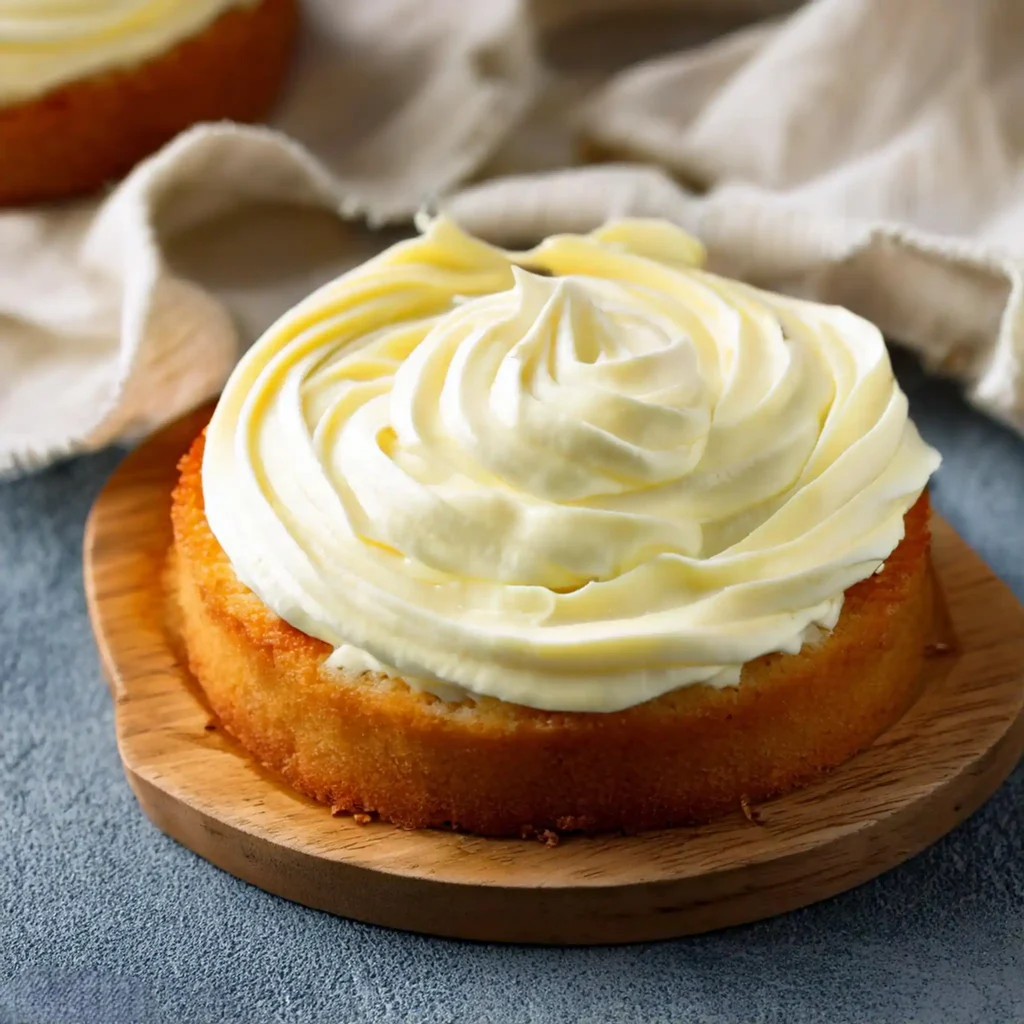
x=89 y=89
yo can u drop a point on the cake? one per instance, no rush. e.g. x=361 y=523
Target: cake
x=580 y=538
x=88 y=90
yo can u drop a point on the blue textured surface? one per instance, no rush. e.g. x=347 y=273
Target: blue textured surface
x=104 y=919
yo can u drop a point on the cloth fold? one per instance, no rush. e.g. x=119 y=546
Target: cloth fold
x=857 y=151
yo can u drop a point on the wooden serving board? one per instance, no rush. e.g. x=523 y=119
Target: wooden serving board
x=946 y=756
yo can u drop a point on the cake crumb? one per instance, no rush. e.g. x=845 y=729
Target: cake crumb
x=337 y=810
x=751 y=813
x=361 y=818
x=548 y=836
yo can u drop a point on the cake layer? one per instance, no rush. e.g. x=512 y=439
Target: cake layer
x=370 y=744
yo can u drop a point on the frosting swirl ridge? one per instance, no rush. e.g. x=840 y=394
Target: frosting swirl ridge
x=573 y=478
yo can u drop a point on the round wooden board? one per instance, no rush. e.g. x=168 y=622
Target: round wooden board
x=927 y=773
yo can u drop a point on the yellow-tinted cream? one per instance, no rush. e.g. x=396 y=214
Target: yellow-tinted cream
x=573 y=478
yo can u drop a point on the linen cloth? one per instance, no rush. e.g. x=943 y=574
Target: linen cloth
x=864 y=152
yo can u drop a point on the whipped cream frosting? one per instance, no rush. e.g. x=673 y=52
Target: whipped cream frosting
x=573 y=478
x=47 y=43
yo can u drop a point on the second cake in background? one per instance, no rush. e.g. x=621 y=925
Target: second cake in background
x=85 y=94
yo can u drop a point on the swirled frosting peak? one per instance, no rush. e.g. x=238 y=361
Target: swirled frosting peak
x=47 y=43
x=573 y=478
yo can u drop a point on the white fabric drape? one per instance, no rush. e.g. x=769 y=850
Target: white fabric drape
x=864 y=152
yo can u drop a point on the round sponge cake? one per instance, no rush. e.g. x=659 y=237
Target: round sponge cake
x=370 y=744
x=77 y=137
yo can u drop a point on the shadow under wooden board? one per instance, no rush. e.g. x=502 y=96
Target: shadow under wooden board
x=940 y=762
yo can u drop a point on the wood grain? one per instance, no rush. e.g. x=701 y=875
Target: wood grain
x=927 y=773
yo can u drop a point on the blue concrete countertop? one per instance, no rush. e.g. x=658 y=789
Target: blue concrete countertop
x=104 y=919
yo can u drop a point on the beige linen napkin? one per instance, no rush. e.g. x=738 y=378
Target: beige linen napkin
x=860 y=151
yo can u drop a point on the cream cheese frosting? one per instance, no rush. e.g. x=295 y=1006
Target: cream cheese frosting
x=573 y=478
x=47 y=43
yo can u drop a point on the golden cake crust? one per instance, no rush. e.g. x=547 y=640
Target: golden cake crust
x=485 y=766
x=76 y=138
